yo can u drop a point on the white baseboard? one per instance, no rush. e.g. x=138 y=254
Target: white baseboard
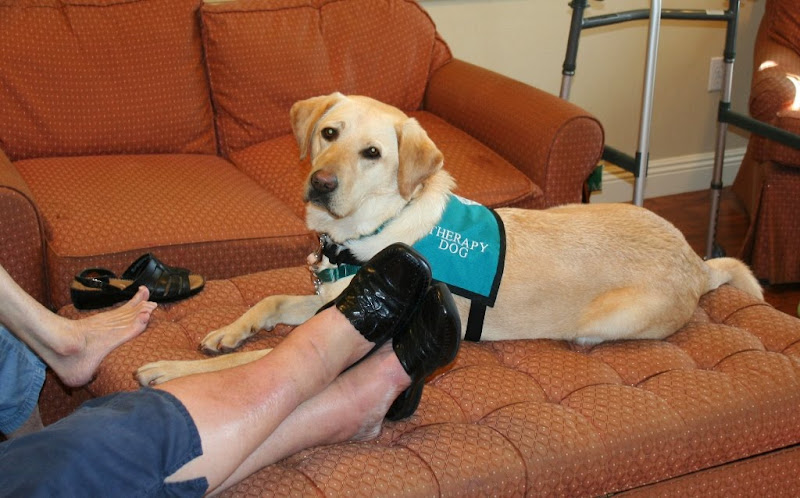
x=673 y=175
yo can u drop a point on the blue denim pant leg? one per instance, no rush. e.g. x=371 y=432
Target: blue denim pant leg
x=124 y=444
x=21 y=379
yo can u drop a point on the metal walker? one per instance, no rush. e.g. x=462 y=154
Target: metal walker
x=638 y=163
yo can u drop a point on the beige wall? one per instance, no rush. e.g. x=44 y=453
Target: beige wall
x=526 y=39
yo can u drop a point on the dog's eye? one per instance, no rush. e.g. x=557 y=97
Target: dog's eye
x=330 y=134
x=371 y=153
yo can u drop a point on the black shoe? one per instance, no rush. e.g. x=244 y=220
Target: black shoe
x=431 y=342
x=382 y=297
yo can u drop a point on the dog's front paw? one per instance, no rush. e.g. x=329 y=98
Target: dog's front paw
x=159 y=372
x=225 y=339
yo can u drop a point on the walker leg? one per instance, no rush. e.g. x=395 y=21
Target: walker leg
x=713 y=250
x=568 y=71
x=643 y=149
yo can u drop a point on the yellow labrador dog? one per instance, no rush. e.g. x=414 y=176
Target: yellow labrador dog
x=586 y=273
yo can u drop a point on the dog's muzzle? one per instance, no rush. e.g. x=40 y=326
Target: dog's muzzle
x=320 y=188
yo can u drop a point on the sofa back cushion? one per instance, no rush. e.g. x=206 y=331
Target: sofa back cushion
x=87 y=77
x=264 y=55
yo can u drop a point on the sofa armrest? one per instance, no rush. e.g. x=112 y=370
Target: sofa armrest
x=771 y=90
x=21 y=233
x=555 y=143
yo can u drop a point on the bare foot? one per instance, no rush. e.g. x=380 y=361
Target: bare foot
x=84 y=343
x=369 y=388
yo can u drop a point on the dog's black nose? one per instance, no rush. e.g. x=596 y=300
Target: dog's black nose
x=324 y=182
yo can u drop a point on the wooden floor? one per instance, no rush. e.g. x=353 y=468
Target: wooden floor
x=690 y=212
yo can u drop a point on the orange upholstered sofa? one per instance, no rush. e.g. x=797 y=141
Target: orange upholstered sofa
x=134 y=126
x=162 y=125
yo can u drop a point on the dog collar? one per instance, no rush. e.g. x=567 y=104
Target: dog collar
x=346 y=264
x=339 y=272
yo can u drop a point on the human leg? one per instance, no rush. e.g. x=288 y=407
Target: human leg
x=305 y=361
x=72 y=348
x=352 y=408
x=349 y=409
x=130 y=443
x=237 y=409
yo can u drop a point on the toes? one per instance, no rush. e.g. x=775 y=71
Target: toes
x=222 y=341
x=209 y=350
x=148 y=375
x=156 y=373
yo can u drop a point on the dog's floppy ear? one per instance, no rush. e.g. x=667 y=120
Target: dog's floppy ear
x=419 y=157
x=304 y=116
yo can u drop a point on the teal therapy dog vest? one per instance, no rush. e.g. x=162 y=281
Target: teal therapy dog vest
x=466 y=250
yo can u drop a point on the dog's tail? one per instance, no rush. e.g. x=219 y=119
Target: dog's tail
x=734 y=272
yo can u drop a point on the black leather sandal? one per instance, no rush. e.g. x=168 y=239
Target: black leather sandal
x=98 y=287
x=431 y=342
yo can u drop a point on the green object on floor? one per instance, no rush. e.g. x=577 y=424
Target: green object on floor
x=595 y=181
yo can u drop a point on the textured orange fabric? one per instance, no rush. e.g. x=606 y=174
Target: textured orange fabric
x=785 y=23
x=481 y=174
x=282 y=51
x=768 y=180
x=789 y=120
x=82 y=77
x=108 y=210
x=772 y=242
x=275 y=164
x=775 y=474
x=772 y=92
x=555 y=143
x=537 y=417
x=21 y=237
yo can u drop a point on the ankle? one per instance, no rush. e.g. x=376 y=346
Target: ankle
x=70 y=340
x=55 y=335
x=335 y=320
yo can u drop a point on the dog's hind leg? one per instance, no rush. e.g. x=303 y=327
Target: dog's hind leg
x=630 y=313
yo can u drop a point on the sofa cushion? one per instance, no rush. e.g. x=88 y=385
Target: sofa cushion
x=263 y=56
x=275 y=165
x=108 y=210
x=85 y=77
x=480 y=173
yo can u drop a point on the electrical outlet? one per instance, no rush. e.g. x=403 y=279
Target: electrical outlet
x=715 y=74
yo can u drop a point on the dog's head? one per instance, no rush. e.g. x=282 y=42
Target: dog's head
x=362 y=152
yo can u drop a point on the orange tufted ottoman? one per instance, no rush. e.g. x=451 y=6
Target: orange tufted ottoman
x=712 y=410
